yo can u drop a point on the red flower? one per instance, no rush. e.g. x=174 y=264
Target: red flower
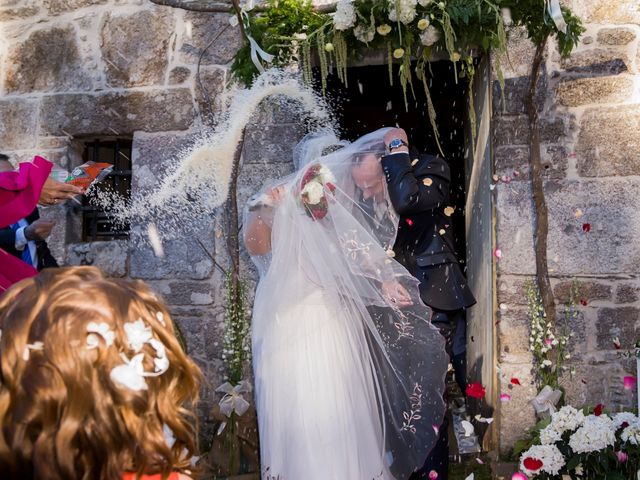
x=533 y=464
x=409 y=221
x=586 y=227
x=475 y=390
x=330 y=186
x=597 y=410
x=515 y=381
x=583 y=302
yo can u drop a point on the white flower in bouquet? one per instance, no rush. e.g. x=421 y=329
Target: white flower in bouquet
x=345 y=16
x=364 y=33
x=567 y=418
x=551 y=458
x=549 y=435
x=429 y=36
x=327 y=175
x=424 y=3
x=407 y=10
x=596 y=433
x=619 y=419
x=384 y=29
x=631 y=434
x=314 y=191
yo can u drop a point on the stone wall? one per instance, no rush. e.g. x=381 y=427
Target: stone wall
x=76 y=69
x=590 y=124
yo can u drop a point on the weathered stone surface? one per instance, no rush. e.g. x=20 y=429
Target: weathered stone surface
x=520 y=55
x=56 y=7
x=208 y=99
x=583 y=91
x=204 y=29
x=598 y=61
x=513 y=332
x=179 y=75
x=609 y=142
x=188 y=293
x=609 y=248
x=616 y=36
x=134 y=47
x=48 y=60
x=9 y=14
x=511 y=290
x=57 y=240
x=627 y=293
x=110 y=257
x=514 y=130
x=512 y=100
x=271 y=143
x=621 y=322
x=587 y=290
x=509 y=160
x=118 y=113
x=596 y=11
x=19 y=123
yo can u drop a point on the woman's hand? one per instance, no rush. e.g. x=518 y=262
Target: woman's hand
x=54 y=192
x=276 y=194
x=396 y=294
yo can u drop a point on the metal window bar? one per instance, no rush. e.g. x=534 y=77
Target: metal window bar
x=96 y=223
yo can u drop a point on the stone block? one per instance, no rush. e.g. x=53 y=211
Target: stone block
x=514 y=130
x=179 y=75
x=19 y=123
x=596 y=11
x=48 y=60
x=18 y=13
x=513 y=332
x=621 y=322
x=56 y=7
x=116 y=113
x=209 y=99
x=609 y=247
x=609 y=142
x=134 y=47
x=188 y=293
x=627 y=293
x=587 y=290
x=584 y=91
x=271 y=143
x=511 y=290
x=511 y=159
x=57 y=240
x=512 y=99
x=191 y=330
x=204 y=28
x=616 y=36
x=598 y=61
x=110 y=257
x=520 y=53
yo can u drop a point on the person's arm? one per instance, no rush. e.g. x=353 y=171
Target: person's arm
x=257 y=233
x=412 y=191
x=8 y=239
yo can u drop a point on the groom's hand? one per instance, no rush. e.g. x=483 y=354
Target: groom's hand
x=396 y=294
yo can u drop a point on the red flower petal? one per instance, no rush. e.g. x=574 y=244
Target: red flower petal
x=409 y=221
x=533 y=464
x=586 y=227
x=515 y=381
x=583 y=302
x=475 y=390
x=597 y=410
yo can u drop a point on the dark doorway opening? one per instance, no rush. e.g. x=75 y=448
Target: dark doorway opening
x=371 y=102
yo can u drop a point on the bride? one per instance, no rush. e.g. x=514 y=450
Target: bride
x=349 y=371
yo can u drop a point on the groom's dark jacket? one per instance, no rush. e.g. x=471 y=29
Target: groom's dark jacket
x=418 y=187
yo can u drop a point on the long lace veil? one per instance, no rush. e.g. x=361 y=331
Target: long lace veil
x=326 y=237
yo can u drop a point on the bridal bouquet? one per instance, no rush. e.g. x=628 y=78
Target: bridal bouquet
x=578 y=444
x=316 y=181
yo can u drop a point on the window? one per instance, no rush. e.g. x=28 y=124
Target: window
x=96 y=224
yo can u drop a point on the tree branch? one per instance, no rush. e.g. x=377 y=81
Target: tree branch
x=541 y=216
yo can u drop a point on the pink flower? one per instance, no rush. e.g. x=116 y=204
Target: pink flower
x=433 y=475
x=505 y=397
x=497 y=253
x=622 y=456
x=629 y=382
x=519 y=476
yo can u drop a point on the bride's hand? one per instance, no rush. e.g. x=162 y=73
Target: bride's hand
x=276 y=194
x=396 y=294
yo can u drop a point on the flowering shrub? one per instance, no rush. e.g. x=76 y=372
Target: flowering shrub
x=584 y=445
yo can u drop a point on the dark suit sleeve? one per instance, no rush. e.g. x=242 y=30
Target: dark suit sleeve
x=7 y=239
x=411 y=191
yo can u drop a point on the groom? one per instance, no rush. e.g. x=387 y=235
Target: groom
x=418 y=187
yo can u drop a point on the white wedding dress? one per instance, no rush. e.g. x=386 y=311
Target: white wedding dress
x=347 y=387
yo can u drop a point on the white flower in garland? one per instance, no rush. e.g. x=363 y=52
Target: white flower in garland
x=384 y=29
x=138 y=333
x=424 y=3
x=131 y=374
x=407 y=10
x=547 y=458
x=345 y=16
x=619 y=419
x=364 y=33
x=429 y=36
x=596 y=433
x=631 y=434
